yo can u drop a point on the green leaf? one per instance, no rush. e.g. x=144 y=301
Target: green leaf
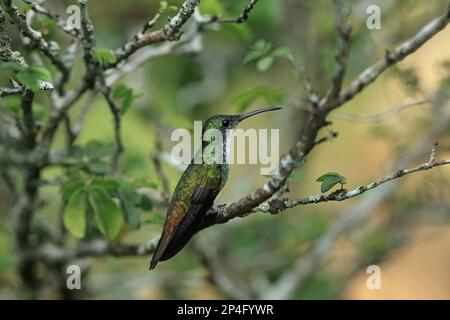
x=98 y=166
x=74 y=214
x=268 y=95
x=260 y=48
x=265 y=63
x=144 y=183
x=31 y=76
x=11 y=65
x=329 y=180
x=107 y=214
x=43 y=23
x=95 y=149
x=41 y=73
x=295 y=175
x=108 y=183
x=38 y=111
x=27 y=7
x=120 y=91
x=125 y=93
x=128 y=198
x=282 y=52
x=11 y=103
x=211 y=7
x=145 y=202
x=28 y=80
x=126 y=104
x=244 y=100
x=104 y=56
x=163 y=5
x=328 y=174
x=73 y=184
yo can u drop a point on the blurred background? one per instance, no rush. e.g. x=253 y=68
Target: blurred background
x=405 y=229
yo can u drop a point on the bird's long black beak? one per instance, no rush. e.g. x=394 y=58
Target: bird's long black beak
x=252 y=113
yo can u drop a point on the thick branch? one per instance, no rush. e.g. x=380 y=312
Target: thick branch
x=169 y=32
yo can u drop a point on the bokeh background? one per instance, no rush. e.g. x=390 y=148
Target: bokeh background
x=407 y=234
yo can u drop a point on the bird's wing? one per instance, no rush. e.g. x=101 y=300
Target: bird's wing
x=183 y=219
x=202 y=200
x=173 y=218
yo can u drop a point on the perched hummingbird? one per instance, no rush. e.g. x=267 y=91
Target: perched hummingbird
x=196 y=190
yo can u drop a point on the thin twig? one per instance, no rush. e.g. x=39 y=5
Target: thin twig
x=117 y=129
x=276 y=206
x=36 y=7
x=158 y=166
x=4 y=92
x=344 y=32
x=241 y=18
x=93 y=248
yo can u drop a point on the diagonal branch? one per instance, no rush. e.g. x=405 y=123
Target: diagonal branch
x=171 y=31
x=241 y=18
x=392 y=57
x=36 y=7
x=344 y=31
x=350 y=218
x=276 y=206
x=35 y=37
x=316 y=121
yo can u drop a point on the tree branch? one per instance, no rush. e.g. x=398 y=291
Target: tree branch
x=117 y=128
x=276 y=205
x=241 y=18
x=351 y=218
x=344 y=32
x=94 y=248
x=402 y=51
x=35 y=37
x=169 y=32
x=36 y=7
x=316 y=121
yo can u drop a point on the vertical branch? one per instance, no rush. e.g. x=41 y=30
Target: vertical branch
x=117 y=129
x=158 y=166
x=88 y=43
x=94 y=73
x=343 y=47
x=27 y=203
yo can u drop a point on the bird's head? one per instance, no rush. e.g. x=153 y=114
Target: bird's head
x=226 y=123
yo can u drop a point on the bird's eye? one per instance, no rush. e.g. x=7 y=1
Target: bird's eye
x=225 y=123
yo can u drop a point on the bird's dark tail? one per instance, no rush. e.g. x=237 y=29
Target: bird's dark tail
x=184 y=232
x=160 y=248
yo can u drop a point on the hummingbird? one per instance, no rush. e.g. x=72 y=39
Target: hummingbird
x=197 y=188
